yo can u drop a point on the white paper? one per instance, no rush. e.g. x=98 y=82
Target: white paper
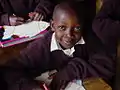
x=29 y=29
x=45 y=77
x=75 y=85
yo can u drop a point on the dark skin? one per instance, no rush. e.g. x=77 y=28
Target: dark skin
x=36 y=16
x=16 y=20
x=67 y=30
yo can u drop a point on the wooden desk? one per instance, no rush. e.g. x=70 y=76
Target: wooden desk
x=12 y=49
x=96 y=84
x=9 y=52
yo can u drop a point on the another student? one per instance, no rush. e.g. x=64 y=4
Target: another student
x=106 y=24
x=63 y=48
x=16 y=12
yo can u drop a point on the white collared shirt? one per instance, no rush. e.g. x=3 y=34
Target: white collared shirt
x=55 y=46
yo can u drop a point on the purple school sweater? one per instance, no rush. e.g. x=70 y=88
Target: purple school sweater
x=37 y=58
x=106 y=24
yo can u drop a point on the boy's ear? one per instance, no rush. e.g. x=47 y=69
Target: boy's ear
x=52 y=25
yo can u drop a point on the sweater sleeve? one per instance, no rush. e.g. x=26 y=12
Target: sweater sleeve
x=21 y=72
x=99 y=65
x=4 y=19
x=107 y=23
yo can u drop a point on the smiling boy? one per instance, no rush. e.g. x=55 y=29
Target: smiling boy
x=63 y=48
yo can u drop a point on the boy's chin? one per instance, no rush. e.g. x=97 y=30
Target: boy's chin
x=67 y=46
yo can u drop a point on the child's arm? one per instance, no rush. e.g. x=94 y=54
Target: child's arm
x=20 y=72
x=99 y=65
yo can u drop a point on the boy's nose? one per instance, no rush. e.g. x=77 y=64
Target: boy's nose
x=69 y=33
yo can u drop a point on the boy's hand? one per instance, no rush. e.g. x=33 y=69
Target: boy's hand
x=36 y=16
x=61 y=85
x=58 y=83
x=52 y=74
x=14 y=20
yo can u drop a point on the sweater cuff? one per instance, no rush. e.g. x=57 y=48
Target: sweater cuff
x=5 y=19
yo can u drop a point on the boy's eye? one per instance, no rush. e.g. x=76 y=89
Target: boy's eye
x=77 y=28
x=62 y=28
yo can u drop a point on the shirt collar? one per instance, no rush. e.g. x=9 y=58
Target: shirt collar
x=56 y=46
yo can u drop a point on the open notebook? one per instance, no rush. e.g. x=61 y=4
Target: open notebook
x=25 y=30
x=75 y=85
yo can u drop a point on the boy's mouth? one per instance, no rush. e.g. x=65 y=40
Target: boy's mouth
x=68 y=42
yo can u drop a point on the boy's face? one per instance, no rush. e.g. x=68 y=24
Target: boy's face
x=67 y=28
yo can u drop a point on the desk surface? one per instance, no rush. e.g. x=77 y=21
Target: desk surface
x=9 y=52
x=12 y=48
x=96 y=84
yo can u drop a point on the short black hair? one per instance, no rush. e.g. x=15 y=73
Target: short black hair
x=78 y=8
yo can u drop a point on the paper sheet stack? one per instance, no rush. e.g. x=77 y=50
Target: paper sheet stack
x=25 y=30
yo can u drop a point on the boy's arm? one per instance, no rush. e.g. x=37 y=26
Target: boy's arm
x=99 y=65
x=107 y=23
x=45 y=7
x=20 y=72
